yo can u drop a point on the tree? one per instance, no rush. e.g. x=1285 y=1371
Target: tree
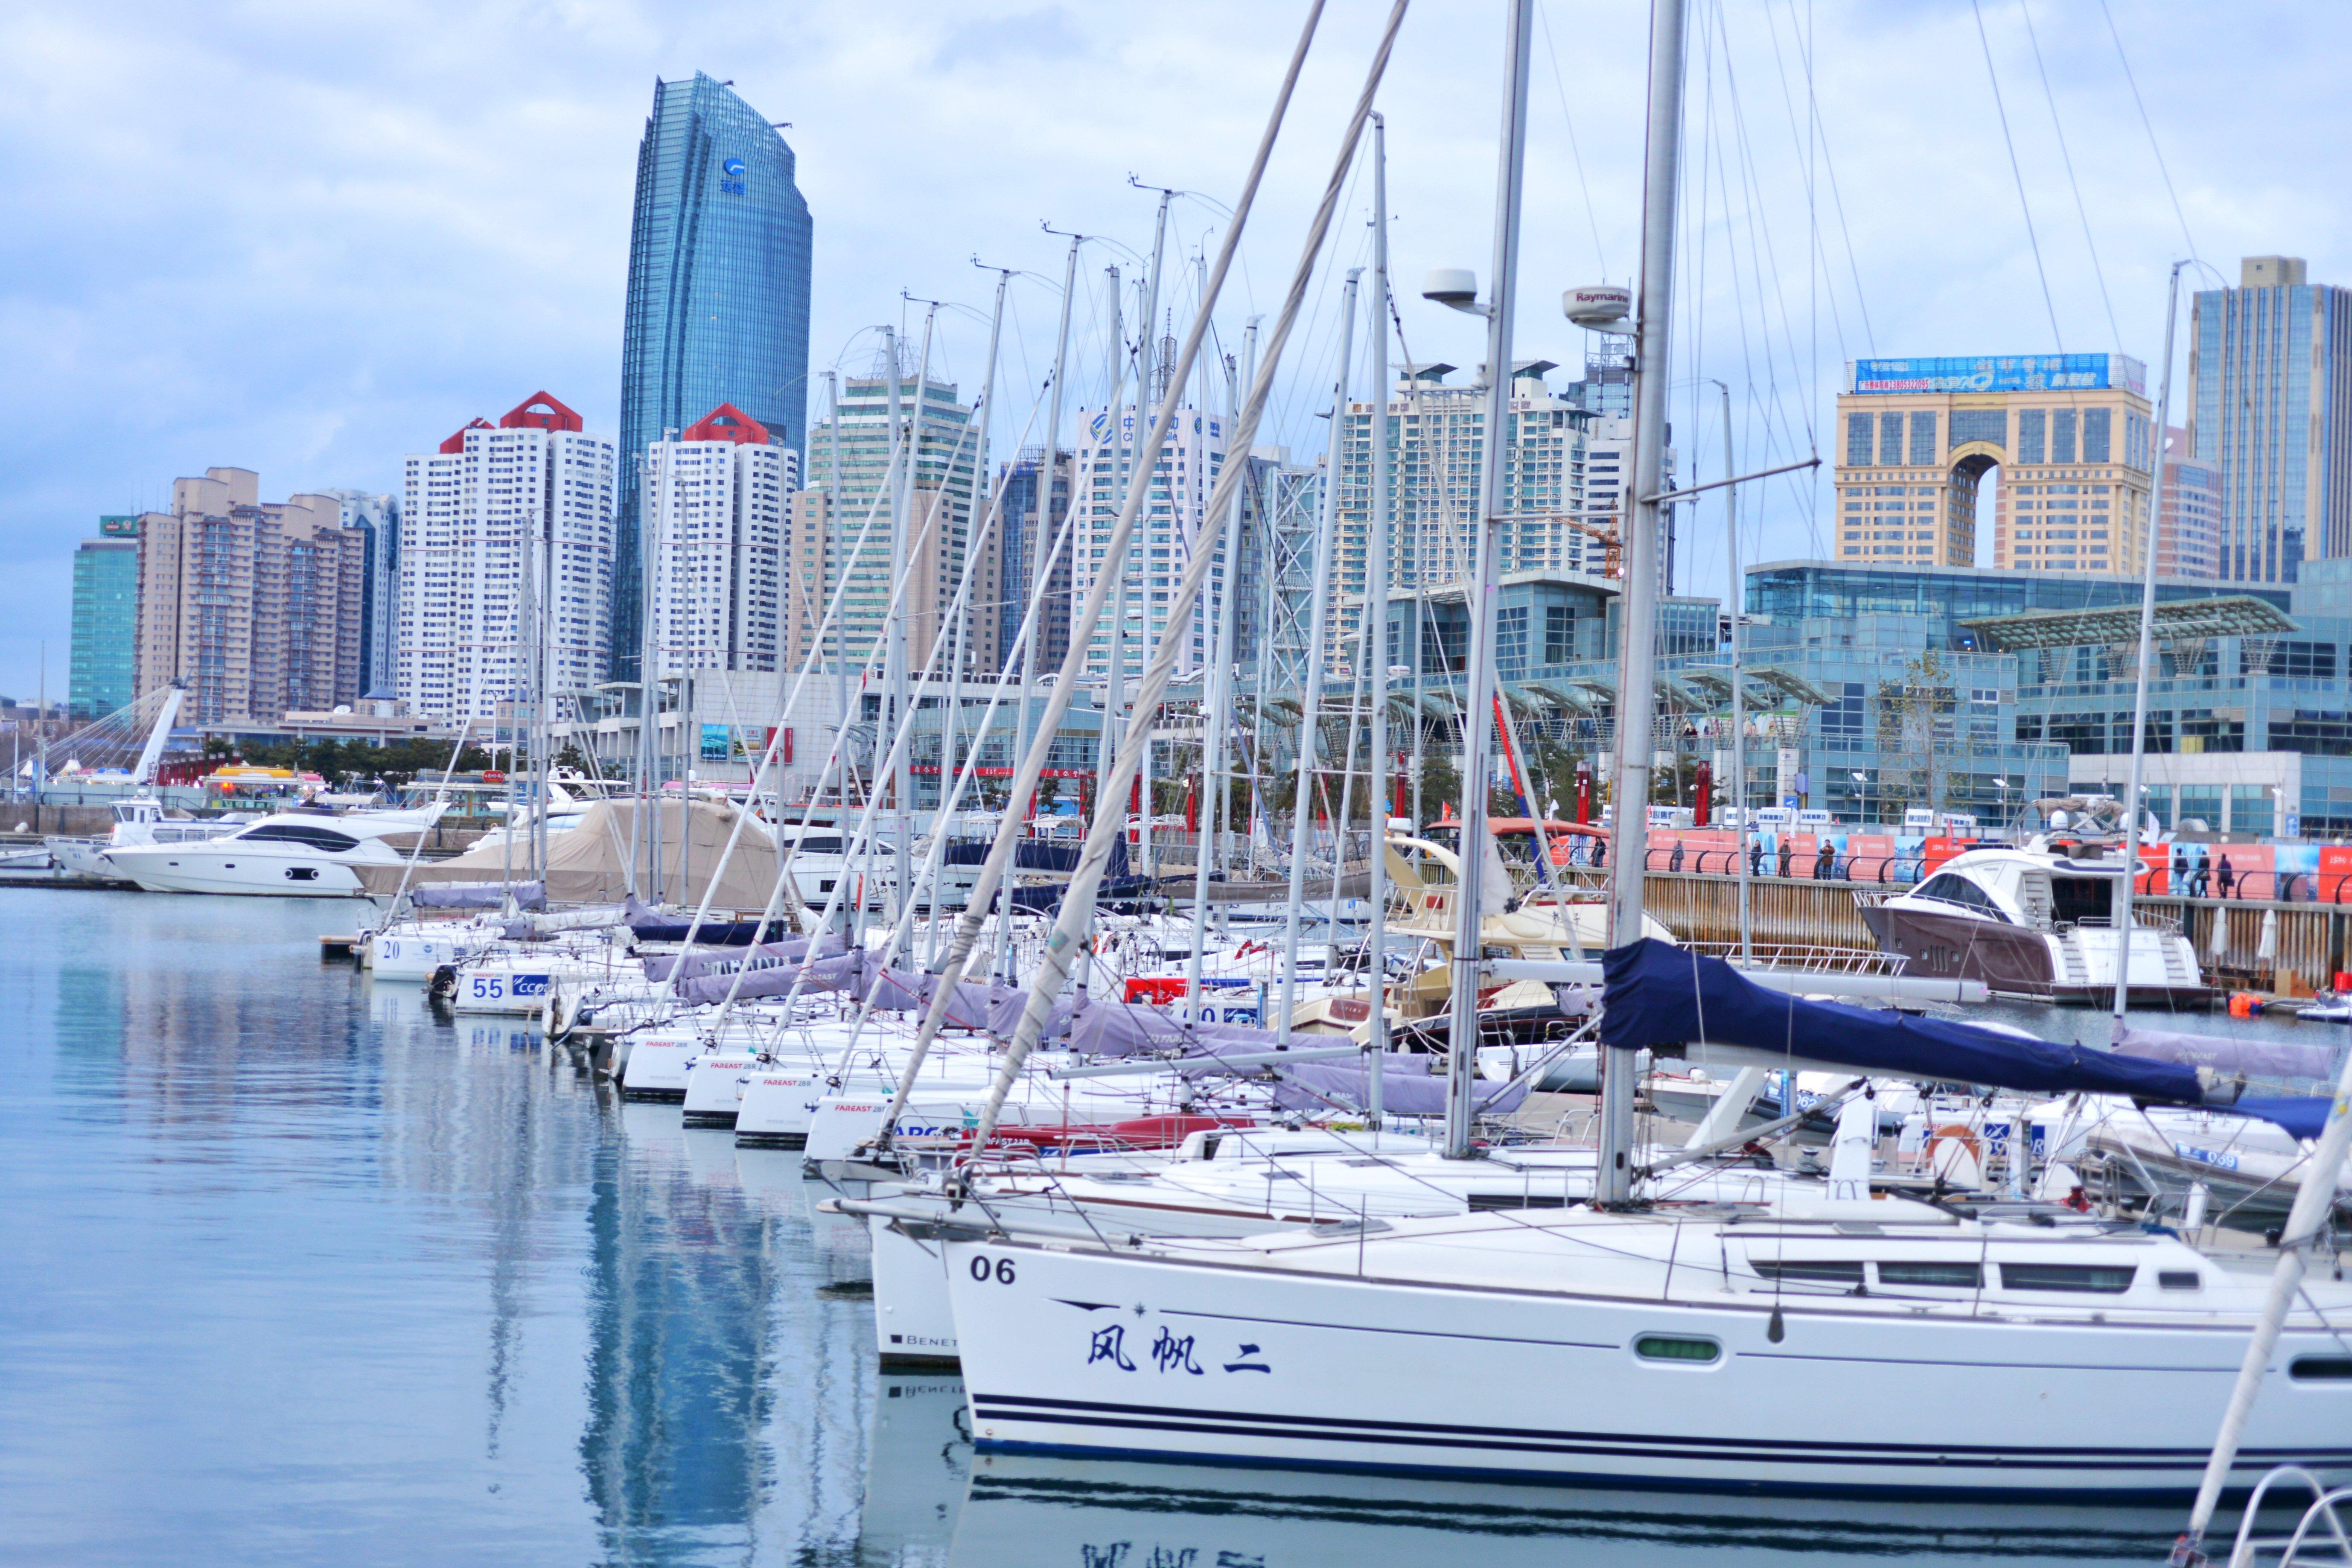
x=1914 y=717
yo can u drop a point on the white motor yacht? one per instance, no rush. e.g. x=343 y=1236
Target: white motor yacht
x=2036 y=921
x=296 y=854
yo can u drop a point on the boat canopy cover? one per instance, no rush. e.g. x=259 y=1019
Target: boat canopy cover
x=589 y=864
x=594 y=918
x=2255 y=1058
x=1406 y=1089
x=1658 y=995
x=702 y=960
x=470 y=895
x=2302 y=1116
x=1135 y=1029
x=1004 y=1013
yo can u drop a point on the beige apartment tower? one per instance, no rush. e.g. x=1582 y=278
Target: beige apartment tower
x=2071 y=434
x=254 y=607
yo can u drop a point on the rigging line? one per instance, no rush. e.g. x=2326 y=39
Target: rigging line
x=1575 y=153
x=1767 y=264
x=1976 y=8
x=2148 y=126
x=2025 y=9
x=1829 y=171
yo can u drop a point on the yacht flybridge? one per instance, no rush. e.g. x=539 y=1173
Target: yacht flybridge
x=2034 y=921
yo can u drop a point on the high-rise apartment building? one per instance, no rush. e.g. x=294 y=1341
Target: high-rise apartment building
x=2270 y=406
x=506 y=536
x=103 y=672
x=377 y=520
x=717 y=309
x=1166 y=532
x=254 y=607
x=2188 y=533
x=2071 y=434
x=848 y=462
x=1029 y=532
x=715 y=501
x=1437 y=433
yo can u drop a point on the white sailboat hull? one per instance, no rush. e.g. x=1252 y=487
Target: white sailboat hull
x=1066 y=1352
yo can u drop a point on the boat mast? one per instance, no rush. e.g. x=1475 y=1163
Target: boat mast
x=1638 y=612
x=1376 y=606
x=837 y=536
x=1318 y=613
x=1739 y=690
x=1025 y=727
x=1146 y=348
x=902 y=777
x=2147 y=659
x=1115 y=670
x=1477 y=716
x=974 y=535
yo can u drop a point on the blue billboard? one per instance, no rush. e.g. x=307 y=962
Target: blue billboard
x=2019 y=373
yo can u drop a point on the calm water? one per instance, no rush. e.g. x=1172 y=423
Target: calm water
x=294 y=1270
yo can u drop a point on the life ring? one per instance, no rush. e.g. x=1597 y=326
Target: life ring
x=1959 y=1133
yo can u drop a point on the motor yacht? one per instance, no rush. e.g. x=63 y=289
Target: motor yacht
x=2033 y=922
x=137 y=821
x=296 y=854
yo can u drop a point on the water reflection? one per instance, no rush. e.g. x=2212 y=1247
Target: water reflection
x=1073 y=1514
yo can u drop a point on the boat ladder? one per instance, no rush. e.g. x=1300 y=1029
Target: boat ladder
x=2318 y=1538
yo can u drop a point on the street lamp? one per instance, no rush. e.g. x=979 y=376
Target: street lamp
x=1863 y=790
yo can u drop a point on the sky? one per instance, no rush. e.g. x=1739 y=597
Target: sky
x=308 y=240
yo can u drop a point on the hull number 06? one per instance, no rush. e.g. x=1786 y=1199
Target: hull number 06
x=1002 y=1269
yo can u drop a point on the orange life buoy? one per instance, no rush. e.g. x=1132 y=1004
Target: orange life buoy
x=1959 y=1133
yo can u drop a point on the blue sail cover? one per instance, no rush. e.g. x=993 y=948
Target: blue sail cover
x=1657 y=995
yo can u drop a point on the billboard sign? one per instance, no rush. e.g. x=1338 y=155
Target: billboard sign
x=2023 y=373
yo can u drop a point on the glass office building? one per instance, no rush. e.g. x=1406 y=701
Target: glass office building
x=2270 y=403
x=105 y=619
x=718 y=307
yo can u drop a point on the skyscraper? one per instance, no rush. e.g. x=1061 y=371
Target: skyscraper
x=468 y=514
x=714 y=507
x=253 y=606
x=105 y=619
x=834 y=510
x=718 y=307
x=2270 y=406
x=2069 y=433
x=1029 y=530
x=377 y=520
x=2188 y=534
x=1164 y=537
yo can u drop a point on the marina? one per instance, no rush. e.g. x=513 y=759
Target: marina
x=1259 y=958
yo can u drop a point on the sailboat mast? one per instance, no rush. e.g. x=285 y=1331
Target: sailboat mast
x=1318 y=618
x=1739 y=689
x=1376 y=607
x=1023 y=729
x=1478 y=714
x=2147 y=659
x=1638 y=617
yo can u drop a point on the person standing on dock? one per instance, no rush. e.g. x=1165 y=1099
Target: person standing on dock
x=1824 y=862
x=2226 y=879
x=1756 y=859
x=1788 y=857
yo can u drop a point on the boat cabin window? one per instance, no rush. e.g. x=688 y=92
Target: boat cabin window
x=1676 y=1347
x=2086 y=1278
x=1810 y=1271
x=820 y=845
x=1956 y=890
x=324 y=838
x=2320 y=1369
x=1955 y=1276
x=2078 y=898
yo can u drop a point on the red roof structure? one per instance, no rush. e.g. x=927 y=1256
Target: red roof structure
x=457 y=443
x=728 y=423
x=539 y=411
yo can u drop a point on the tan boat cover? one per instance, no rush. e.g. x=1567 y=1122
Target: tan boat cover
x=589 y=864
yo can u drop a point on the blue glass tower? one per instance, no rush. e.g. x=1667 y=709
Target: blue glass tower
x=718 y=297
